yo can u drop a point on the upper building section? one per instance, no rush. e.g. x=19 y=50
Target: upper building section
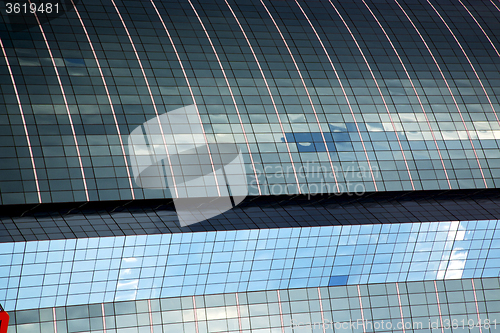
x=120 y=100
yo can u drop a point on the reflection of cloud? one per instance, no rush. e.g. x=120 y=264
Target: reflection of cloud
x=29 y=61
x=414 y=135
x=455 y=269
x=129 y=260
x=449 y=135
x=132 y=284
x=458 y=255
x=374 y=127
x=221 y=313
x=460 y=235
x=453 y=231
x=487 y=135
x=482 y=130
x=454 y=266
x=127 y=295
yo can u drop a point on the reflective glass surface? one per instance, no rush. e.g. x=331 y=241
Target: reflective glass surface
x=319 y=96
x=68 y=272
x=462 y=305
x=132 y=101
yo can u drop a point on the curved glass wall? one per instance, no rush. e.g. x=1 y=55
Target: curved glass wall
x=319 y=96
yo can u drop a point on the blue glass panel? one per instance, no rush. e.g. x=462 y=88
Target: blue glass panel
x=338 y=280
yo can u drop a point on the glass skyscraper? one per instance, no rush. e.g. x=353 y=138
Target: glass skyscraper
x=250 y=166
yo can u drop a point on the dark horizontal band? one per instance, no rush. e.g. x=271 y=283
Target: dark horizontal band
x=139 y=217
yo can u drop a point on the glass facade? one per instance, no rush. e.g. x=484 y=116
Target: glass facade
x=464 y=305
x=71 y=272
x=320 y=96
x=250 y=166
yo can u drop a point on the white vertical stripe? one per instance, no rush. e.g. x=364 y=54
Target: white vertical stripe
x=109 y=100
x=190 y=91
x=307 y=92
x=270 y=95
x=345 y=94
x=54 y=319
x=321 y=310
x=379 y=90
x=449 y=90
x=239 y=312
x=103 y=318
x=479 y=25
x=416 y=93
x=272 y=99
x=495 y=5
x=477 y=308
x=439 y=307
x=361 y=307
x=231 y=93
x=67 y=107
x=24 y=122
x=150 y=94
x=195 y=315
x=400 y=308
x=150 y=316
x=468 y=59
x=281 y=312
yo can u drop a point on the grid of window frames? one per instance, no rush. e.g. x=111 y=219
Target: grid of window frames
x=463 y=305
x=80 y=271
x=321 y=96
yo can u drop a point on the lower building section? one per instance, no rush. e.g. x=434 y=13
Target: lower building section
x=56 y=273
x=460 y=305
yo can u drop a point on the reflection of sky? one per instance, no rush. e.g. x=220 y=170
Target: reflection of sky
x=411 y=127
x=67 y=272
